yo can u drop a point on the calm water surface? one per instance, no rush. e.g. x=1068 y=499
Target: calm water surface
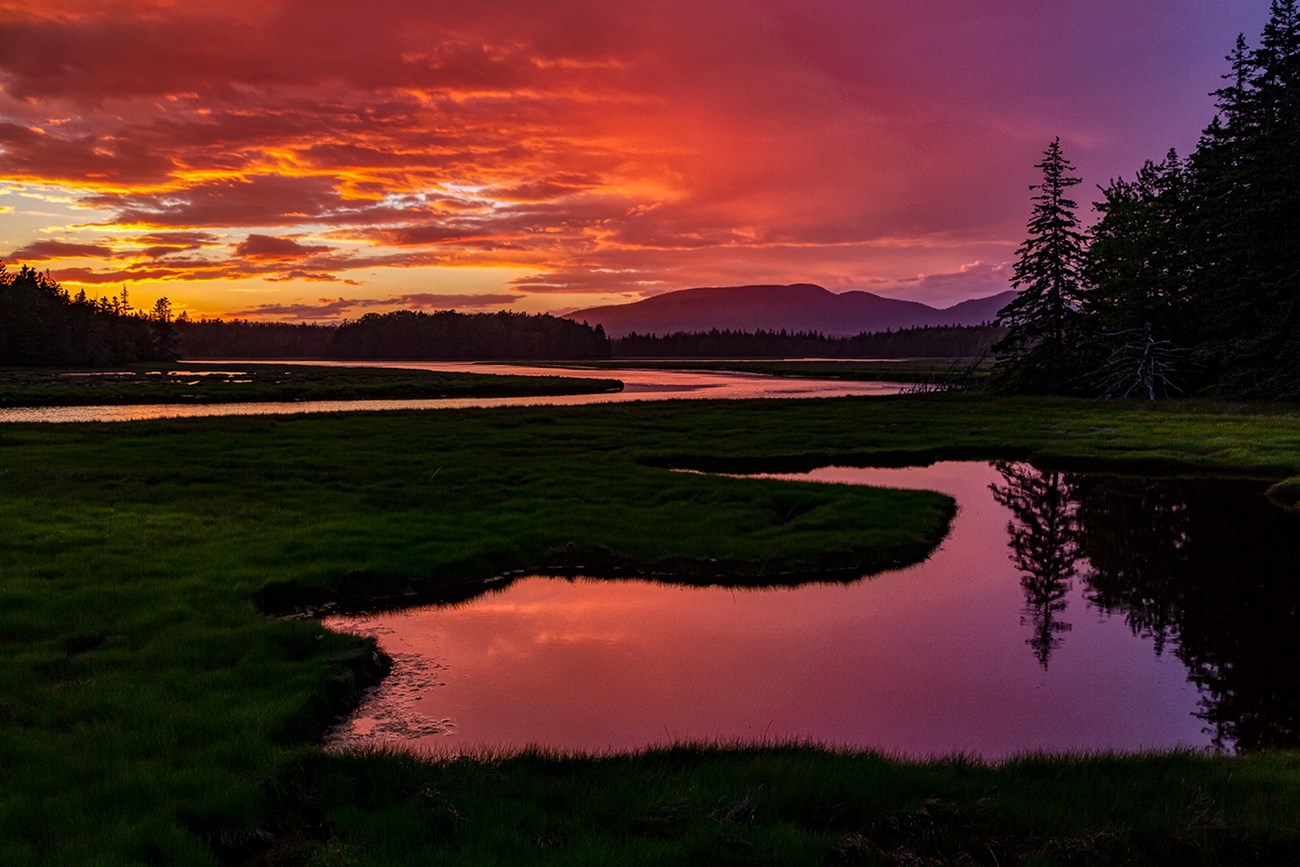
x=638 y=385
x=1063 y=612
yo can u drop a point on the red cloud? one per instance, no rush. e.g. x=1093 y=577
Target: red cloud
x=257 y=200
x=41 y=251
x=434 y=301
x=339 y=308
x=270 y=247
x=324 y=308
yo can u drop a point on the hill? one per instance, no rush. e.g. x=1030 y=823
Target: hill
x=798 y=307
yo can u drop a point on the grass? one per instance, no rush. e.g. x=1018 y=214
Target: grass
x=150 y=711
x=800 y=805
x=231 y=382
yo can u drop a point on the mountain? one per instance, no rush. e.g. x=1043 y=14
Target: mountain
x=799 y=307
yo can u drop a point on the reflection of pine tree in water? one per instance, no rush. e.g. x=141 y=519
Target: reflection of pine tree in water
x=1045 y=542
x=1134 y=532
x=1209 y=568
x=1205 y=569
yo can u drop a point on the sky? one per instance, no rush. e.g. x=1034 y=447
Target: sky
x=322 y=159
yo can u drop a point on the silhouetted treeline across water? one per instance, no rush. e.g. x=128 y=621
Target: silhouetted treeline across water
x=921 y=342
x=402 y=334
x=457 y=336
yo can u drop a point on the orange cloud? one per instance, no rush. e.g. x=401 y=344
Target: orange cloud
x=326 y=309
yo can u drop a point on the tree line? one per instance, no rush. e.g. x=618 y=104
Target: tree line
x=935 y=341
x=42 y=325
x=449 y=335
x=241 y=338
x=400 y=335
x=407 y=334
x=1187 y=282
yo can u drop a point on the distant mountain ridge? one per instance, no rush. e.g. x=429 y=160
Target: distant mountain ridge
x=797 y=307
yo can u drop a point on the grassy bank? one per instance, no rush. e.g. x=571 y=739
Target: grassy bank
x=151 y=713
x=791 y=805
x=239 y=382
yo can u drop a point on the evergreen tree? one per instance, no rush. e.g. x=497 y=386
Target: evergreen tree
x=1245 y=179
x=165 y=341
x=1039 y=350
x=1138 y=275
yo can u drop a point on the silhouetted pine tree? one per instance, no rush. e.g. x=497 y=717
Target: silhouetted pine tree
x=1245 y=178
x=1040 y=348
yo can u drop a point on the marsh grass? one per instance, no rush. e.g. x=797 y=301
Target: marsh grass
x=151 y=711
x=800 y=804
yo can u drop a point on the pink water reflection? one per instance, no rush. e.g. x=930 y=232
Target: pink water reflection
x=638 y=385
x=931 y=659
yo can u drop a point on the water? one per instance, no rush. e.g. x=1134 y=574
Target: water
x=1064 y=612
x=638 y=385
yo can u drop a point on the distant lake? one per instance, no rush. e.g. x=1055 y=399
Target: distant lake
x=1064 y=612
x=638 y=385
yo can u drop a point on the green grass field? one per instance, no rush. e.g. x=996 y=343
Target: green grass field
x=152 y=712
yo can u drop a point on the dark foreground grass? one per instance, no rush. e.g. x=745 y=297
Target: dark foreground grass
x=150 y=711
x=793 y=805
x=231 y=382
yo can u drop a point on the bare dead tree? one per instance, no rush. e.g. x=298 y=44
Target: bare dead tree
x=1142 y=365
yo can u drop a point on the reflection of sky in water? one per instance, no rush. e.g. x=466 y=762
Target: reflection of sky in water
x=638 y=385
x=930 y=659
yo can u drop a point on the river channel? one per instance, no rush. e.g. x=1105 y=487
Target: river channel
x=1064 y=612
x=637 y=385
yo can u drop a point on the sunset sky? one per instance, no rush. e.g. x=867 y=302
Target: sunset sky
x=320 y=159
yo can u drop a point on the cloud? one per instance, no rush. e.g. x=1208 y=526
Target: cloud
x=592 y=280
x=255 y=200
x=435 y=301
x=270 y=247
x=125 y=275
x=325 y=309
x=43 y=251
x=975 y=280
x=307 y=275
